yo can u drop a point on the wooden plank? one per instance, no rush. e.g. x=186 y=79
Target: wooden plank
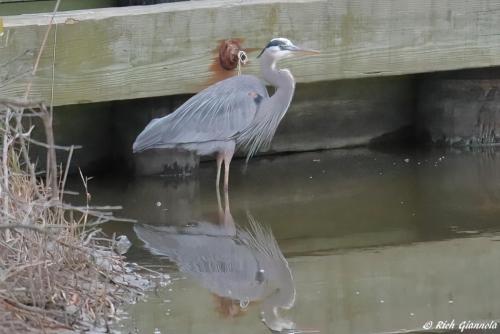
x=15 y=7
x=7 y=1
x=132 y=52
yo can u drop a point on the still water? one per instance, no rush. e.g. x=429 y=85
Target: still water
x=354 y=241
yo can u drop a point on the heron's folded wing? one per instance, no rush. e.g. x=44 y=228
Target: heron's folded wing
x=216 y=113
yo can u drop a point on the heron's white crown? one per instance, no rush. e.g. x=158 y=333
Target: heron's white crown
x=278 y=48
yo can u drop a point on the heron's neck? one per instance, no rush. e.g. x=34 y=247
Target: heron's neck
x=281 y=79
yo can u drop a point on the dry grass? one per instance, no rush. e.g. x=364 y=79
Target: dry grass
x=57 y=270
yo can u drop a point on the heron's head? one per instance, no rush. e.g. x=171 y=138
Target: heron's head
x=279 y=48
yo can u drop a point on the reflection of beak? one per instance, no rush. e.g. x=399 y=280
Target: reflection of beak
x=304 y=331
x=301 y=51
x=296 y=331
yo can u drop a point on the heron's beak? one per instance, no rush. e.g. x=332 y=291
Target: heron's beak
x=301 y=51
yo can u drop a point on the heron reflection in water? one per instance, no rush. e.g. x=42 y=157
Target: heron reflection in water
x=238 y=265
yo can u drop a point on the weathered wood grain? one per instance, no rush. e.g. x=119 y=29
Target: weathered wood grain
x=8 y=1
x=15 y=7
x=132 y=52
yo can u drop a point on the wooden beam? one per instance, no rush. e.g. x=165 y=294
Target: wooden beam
x=7 y=1
x=16 y=7
x=132 y=52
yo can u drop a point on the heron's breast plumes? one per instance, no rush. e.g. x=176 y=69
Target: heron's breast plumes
x=259 y=134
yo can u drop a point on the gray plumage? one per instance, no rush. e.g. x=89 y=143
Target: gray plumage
x=235 y=112
x=208 y=117
x=242 y=264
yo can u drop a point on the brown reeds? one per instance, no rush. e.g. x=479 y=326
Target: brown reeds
x=57 y=270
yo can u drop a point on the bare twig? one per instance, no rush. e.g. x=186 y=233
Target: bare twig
x=53 y=72
x=5 y=162
x=65 y=176
x=40 y=52
x=46 y=117
x=29 y=227
x=56 y=147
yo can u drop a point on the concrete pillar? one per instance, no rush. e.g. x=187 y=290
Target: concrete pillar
x=346 y=113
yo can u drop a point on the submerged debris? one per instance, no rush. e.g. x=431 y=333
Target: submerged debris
x=122 y=244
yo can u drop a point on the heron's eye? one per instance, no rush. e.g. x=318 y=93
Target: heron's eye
x=243 y=57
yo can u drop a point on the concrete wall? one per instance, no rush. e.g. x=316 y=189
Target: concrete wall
x=346 y=113
x=460 y=108
x=88 y=125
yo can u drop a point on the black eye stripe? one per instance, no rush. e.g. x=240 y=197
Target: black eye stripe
x=276 y=42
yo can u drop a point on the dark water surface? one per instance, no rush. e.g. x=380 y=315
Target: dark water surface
x=372 y=242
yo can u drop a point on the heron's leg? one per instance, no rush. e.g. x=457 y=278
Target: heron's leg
x=228 y=155
x=226 y=203
x=228 y=218
x=219 y=205
x=220 y=158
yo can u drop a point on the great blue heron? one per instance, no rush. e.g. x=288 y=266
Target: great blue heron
x=234 y=112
